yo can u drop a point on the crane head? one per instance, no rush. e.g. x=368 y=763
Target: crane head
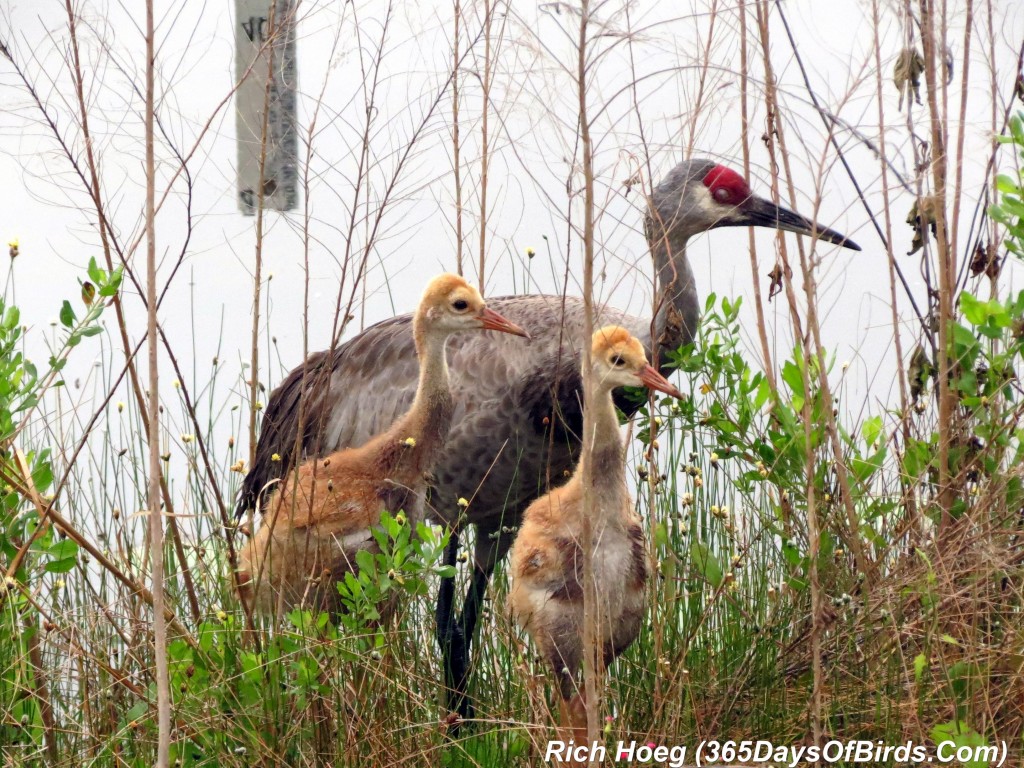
x=619 y=360
x=451 y=304
x=698 y=195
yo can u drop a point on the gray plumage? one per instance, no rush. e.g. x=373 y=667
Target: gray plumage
x=517 y=411
x=507 y=399
x=517 y=405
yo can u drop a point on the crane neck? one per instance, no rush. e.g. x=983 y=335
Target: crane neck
x=431 y=352
x=428 y=420
x=605 y=461
x=676 y=307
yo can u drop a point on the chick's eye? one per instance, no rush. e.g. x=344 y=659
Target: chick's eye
x=722 y=195
x=460 y=305
x=617 y=361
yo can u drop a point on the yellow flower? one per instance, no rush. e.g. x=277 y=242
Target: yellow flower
x=187 y=438
x=258 y=406
x=410 y=441
x=276 y=457
x=705 y=388
x=462 y=502
x=238 y=466
x=530 y=253
x=13 y=248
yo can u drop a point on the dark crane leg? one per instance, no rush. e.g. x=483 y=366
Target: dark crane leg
x=455 y=634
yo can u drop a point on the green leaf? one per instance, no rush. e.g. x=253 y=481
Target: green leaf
x=61 y=566
x=63 y=549
x=1007 y=184
x=706 y=563
x=793 y=378
x=42 y=477
x=871 y=429
x=96 y=274
x=67 y=314
x=11 y=318
x=920 y=664
x=961 y=735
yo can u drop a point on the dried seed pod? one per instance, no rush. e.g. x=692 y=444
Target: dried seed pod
x=775 y=280
x=907 y=74
x=925 y=213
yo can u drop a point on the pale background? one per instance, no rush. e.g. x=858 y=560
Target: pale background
x=533 y=141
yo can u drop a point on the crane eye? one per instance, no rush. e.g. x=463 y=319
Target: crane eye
x=618 y=361
x=460 y=305
x=722 y=195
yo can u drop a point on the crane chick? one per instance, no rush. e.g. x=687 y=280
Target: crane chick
x=323 y=513
x=547 y=557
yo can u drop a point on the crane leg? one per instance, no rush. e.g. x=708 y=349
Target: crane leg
x=444 y=614
x=455 y=634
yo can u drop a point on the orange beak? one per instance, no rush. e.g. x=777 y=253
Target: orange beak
x=492 y=321
x=654 y=380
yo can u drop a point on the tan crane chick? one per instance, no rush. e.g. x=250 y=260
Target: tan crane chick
x=319 y=517
x=547 y=557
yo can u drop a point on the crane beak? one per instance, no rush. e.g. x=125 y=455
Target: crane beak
x=654 y=380
x=492 y=321
x=759 y=212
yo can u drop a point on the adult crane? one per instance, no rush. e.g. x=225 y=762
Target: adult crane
x=517 y=406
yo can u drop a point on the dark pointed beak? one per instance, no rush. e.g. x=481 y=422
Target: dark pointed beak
x=492 y=321
x=759 y=212
x=654 y=380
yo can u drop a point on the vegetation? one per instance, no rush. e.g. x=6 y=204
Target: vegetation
x=825 y=568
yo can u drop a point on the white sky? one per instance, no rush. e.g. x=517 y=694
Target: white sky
x=533 y=121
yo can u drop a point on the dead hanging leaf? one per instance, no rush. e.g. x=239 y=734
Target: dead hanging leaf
x=88 y=293
x=985 y=261
x=633 y=181
x=925 y=212
x=907 y=74
x=995 y=266
x=1019 y=88
x=979 y=261
x=949 y=66
x=919 y=371
x=924 y=151
x=775 y=280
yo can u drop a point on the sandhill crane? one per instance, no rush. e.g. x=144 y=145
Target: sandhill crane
x=547 y=557
x=517 y=412
x=317 y=521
